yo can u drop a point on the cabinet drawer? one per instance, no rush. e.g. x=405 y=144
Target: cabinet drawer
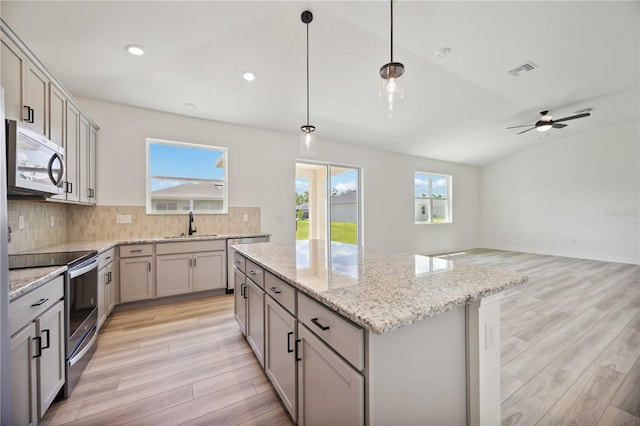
x=280 y=291
x=343 y=336
x=238 y=261
x=134 y=250
x=28 y=307
x=106 y=258
x=255 y=272
x=190 y=246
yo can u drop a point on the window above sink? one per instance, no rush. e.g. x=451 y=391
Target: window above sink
x=184 y=177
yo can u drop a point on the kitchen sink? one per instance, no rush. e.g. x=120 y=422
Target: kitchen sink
x=190 y=236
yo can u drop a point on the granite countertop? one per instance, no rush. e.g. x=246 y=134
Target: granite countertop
x=381 y=291
x=23 y=281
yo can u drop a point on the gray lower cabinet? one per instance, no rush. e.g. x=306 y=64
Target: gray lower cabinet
x=37 y=350
x=255 y=319
x=279 y=352
x=23 y=373
x=136 y=272
x=107 y=282
x=330 y=391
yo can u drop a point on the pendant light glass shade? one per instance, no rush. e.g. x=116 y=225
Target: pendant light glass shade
x=308 y=140
x=308 y=136
x=391 y=93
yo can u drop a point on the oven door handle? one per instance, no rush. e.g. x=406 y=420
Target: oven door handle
x=77 y=357
x=84 y=269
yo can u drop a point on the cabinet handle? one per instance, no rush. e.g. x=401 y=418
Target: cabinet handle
x=252 y=272
x=289 y=334
x=38 y=347
x=40 y=302
x=29 y=118
x=243 y=290
x=195 y=262
x=322 y=327
x=149 y=263
x=70 y=186
x=297 y=350
x=108 y=278
x=136 y=251
x=275 y=290
x=47 y=345
x=190 y=263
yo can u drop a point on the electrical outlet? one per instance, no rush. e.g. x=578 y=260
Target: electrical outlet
x=245 y=217
x=123 y=218
x=52 y=221
x=20 y=222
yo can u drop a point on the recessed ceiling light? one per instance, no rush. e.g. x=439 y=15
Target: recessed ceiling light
x=190 y=107
x=249 y=76
x=442 y=52
x=134 y=49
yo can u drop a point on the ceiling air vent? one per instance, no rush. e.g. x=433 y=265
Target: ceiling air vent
x=526 y=67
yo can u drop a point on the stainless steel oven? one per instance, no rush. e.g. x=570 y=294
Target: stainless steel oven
x=81 y=299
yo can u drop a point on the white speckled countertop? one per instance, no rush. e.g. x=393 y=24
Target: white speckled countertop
x=381 y=291
x=23 y=281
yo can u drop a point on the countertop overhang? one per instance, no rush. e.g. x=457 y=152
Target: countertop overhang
x=378 y=290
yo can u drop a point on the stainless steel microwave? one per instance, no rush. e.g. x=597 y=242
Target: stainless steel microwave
x=35 y=165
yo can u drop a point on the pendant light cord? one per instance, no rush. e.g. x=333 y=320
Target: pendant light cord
x=391 y=2
x=307 y=74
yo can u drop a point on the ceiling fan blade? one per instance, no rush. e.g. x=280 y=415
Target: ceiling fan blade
x=515 y=127
x=558 y=125
x=573 y=117
x=525 y=131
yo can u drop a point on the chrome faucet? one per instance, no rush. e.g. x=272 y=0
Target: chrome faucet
x=192 y=230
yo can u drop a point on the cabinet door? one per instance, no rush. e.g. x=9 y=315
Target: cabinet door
x=239 y=301
x=37 y=95
x=57 y=115
x=136 y=279
x=279 y=352
x=23 y=373
x=13 y=68
x=50 y=365
x=111 y=284
x=102 y=293
x=208 y=270
x=83 y=159
x=71 y=153
x=330 y=391
x=93 y=133
x=173 y=272
x=255 y=319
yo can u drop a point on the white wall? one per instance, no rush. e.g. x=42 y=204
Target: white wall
x=262 y=174
x=575 y=197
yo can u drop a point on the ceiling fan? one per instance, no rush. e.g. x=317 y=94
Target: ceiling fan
x=546 y=122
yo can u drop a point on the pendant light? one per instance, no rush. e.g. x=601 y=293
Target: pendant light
x=308 y=137
x=391 y=92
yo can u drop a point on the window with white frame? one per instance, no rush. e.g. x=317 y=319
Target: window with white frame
x=183 y=177
x=432 y=194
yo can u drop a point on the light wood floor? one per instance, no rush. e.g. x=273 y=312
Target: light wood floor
x=570 y=354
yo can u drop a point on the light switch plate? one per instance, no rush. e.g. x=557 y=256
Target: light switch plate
x=123 y=218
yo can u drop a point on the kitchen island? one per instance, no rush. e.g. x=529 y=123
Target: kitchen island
x=418 y=337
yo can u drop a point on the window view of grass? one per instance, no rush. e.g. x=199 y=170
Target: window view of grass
x=342 y=232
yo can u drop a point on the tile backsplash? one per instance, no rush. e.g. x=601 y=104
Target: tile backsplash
x=85 y=223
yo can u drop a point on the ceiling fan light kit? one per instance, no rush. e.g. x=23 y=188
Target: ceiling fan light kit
x=308 y=136
x=391 y=93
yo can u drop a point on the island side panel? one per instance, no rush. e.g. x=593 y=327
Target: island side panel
x=418 y=373
x=483 y=322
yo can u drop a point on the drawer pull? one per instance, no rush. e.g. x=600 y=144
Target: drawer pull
x=252 y=272
x=322 y=327
x=136 y=251
x=40 y=302
x=275 y=290
x=38 y=346
x=237 y=262
x=108 y=258
x=289 y=334
x=48 y=344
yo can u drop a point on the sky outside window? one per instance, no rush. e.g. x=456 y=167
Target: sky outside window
x=182 y=162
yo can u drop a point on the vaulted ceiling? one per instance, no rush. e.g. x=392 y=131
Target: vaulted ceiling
x=455 y=108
